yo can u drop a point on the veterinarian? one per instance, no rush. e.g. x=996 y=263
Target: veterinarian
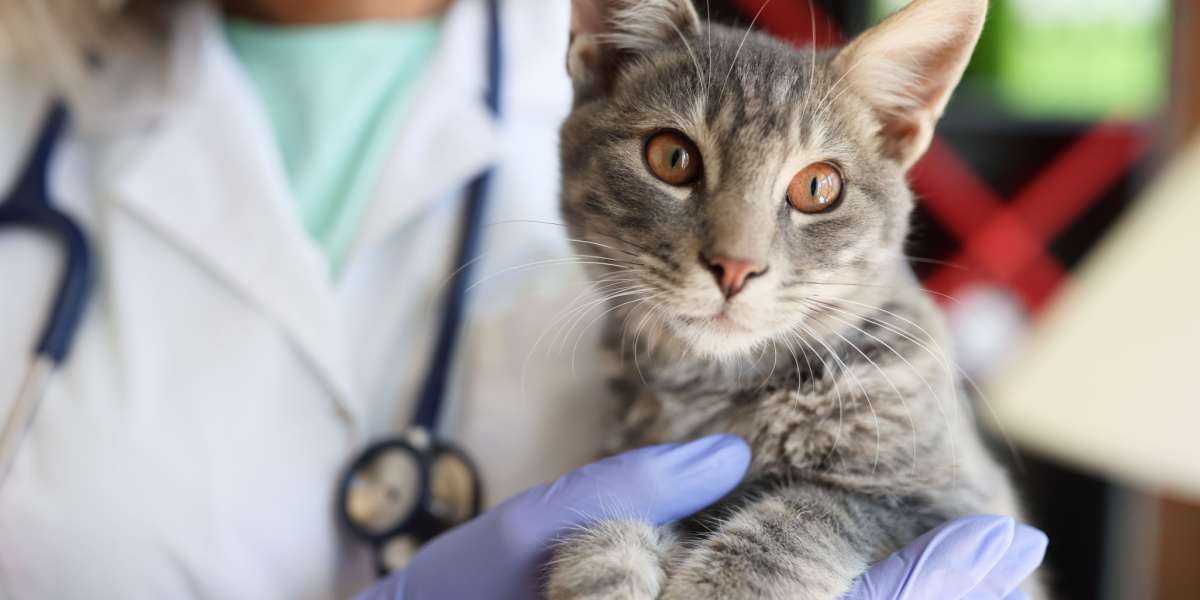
x=273 y=194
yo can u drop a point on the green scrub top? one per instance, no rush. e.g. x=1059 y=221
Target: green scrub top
x=334 y=95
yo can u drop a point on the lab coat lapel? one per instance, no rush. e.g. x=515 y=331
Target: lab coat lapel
x=448 y=136
x=209 y=180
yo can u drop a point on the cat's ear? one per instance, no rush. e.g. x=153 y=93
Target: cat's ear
x=907 y=66
x=606 y=34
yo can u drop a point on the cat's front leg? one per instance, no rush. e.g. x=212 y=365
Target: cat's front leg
x=611 y=560
x=806 y=543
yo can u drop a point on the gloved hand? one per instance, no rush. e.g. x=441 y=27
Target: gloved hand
x=974 y=558
x=500 y=554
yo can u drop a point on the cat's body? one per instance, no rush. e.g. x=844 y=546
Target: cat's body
x=828 y=358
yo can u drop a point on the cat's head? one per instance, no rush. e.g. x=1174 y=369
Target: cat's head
x=725 y=183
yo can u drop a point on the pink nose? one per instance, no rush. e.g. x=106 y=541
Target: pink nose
x=732 y=273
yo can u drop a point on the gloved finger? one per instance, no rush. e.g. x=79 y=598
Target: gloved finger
x=1017 y=595
x=508 y=543
x=390 y=588
x=1024 y=555
x=659 y=484
x=947 y=562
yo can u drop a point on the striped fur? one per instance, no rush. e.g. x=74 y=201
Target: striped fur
x=834 y=364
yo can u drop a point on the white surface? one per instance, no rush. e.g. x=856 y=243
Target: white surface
x=1110 y=380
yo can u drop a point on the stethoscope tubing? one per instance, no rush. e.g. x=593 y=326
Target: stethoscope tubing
x=29 y=206
x=20 y=416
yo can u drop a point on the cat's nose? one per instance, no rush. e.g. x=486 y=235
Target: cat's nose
x=732 y=273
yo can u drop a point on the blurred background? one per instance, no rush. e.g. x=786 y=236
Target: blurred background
x=1054 y=230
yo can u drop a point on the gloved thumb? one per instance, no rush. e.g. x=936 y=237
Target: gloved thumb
x=658 y=484
x=948 y=562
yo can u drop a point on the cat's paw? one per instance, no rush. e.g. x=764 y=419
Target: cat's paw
x=610 y=560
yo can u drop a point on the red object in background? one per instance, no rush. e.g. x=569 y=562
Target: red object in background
x=1002 y=243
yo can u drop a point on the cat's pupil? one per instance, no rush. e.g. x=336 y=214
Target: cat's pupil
x=813 y=187
x=677 y=158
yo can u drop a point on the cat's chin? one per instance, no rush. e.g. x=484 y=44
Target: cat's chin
x=717 y=338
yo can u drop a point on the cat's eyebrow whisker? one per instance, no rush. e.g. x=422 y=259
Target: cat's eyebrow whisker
x=738 y=53
x=846 y=369
x=819 y=107
x=824 y=106
x=812 y=73
x=708 y=35
x=701 y=81
x=908 y=409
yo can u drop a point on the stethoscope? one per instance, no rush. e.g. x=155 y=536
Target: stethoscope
x=400 y=492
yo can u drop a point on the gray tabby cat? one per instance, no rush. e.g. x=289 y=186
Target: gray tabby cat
x=745 y=206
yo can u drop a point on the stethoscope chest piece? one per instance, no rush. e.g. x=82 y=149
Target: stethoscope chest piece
x=403 y=492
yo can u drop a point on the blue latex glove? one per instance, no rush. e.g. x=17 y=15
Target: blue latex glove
x=974 y=558
x=500 y=554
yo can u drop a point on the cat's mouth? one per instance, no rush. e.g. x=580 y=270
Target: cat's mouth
x=722 y=321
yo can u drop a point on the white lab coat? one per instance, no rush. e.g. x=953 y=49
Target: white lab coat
x=222 y=378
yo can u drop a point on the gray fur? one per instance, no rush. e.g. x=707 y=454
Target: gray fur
x=837 y=372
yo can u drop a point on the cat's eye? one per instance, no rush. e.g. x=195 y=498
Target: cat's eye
x=816 y=188
x=673 y=158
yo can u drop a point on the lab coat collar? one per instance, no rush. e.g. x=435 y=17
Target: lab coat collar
x=208 y=179
x=448 y=136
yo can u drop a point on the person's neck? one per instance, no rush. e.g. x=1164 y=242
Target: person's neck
x=311 y=12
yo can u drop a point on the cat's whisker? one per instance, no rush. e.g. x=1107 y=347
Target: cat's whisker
x=774 y=363
x=657 y=330
x=640 y=296
x=866 y=396
x=934 y=261
x=564 y=225
x=887 y=378
x=950 y=365
x=798 y=282
x=837 y=390
x=571 y=322
x=617 y=266
x=636 y=336
x=938 y=398
x=812 y=378
x=562 y=315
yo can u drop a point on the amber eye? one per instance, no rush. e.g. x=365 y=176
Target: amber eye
x=816 y=188
x=673 y=158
